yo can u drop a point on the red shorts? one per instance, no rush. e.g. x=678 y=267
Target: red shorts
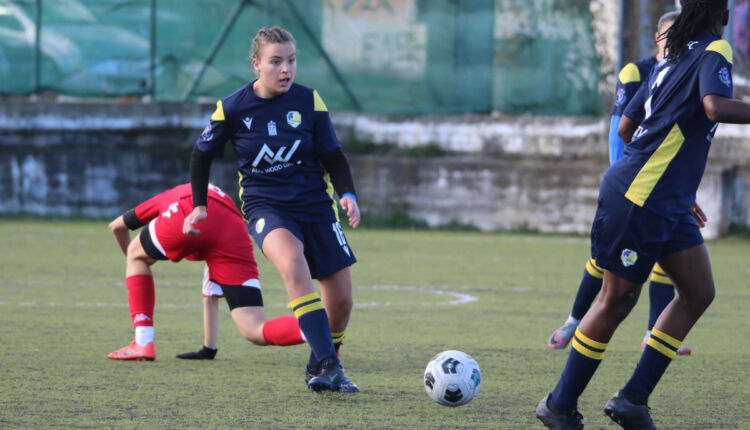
x=223 y=243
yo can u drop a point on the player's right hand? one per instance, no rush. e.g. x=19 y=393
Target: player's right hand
x=197 y=215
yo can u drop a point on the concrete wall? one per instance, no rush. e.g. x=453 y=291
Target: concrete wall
x=522 y=172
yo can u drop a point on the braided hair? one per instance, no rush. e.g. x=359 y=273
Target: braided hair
x=696 y=17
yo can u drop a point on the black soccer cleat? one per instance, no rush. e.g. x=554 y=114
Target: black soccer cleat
x=204 y=354
x=628 y=415
x=331 y=377
x=570 y=420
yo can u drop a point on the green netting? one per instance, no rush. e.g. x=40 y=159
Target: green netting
x=382 y=56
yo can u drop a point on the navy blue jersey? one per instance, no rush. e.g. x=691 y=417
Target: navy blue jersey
x=664 y=163
x=629 y=80
x=277 y=143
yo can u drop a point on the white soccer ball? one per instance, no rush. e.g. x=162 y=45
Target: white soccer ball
x=452 y=378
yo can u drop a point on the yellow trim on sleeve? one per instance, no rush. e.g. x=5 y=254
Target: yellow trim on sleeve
x=319 y=106
x=722 y=47
x=657 y=164
x=629 y=73
x=666 y=338
x=218 y=113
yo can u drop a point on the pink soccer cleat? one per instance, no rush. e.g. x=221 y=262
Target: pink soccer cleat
x=561 y=336
x=135 y=352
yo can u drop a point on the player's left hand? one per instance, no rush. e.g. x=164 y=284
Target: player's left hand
x=698 y=215
x=352 y=210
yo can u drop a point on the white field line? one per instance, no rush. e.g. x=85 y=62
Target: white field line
x=454 y=298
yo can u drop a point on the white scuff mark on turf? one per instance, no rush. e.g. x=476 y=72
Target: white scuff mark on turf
x=459 y=298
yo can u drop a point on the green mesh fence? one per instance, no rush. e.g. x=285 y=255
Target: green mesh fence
x=381 y=56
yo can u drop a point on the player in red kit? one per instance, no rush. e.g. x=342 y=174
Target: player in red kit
x=224 y=245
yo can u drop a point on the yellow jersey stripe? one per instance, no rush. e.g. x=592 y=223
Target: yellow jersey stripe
x=590 y=342
x=722 y=47
x=666 y=338
x=306 y=298
x=594 y=270
x=329 y=191
x=596 y=355
x=661 y=348
x=242 y=191
x=218 y=114
x=319 y=106
x=629 y=73
x=314 y=306
x=652 y=171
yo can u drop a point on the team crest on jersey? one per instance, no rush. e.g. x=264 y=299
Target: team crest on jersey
x=724 y=76
x=691 y=44
x=628 y=257
x=620 y=97
x=271 y=128
x=293 y=118
x=259 y=225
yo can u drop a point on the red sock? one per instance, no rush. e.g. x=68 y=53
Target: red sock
x=141 y=299
x=282 y=331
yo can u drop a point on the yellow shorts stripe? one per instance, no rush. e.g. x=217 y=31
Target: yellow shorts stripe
x=590 y=342
x=578 y=346
x=594 y=270
x=314 y=306
x=306 y=298
x=666 y=338
x=653 y=343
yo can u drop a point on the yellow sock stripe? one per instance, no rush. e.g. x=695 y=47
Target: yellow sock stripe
x=590 y=342
x=593 y=269
x=666 y=338
x=306 y=298
x=588 y=347
x=578 y=346
x=660 y=277
x=338 y=337
x=314 y=306
x=653 y=343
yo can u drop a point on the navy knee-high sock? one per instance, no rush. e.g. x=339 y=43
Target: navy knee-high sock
x=313 y=321
x=661 y=349
x=585 y=356
x=591 y=284
x=660 y=293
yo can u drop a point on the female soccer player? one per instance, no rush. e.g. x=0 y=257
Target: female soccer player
x=646 y=214
x=288 y=157
x=227 y=250
x=661 y=291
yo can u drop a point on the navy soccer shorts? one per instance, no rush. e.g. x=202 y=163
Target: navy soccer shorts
x=325 y=246
x=627 y=239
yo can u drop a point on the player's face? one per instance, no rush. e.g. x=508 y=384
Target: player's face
x=276 y=67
